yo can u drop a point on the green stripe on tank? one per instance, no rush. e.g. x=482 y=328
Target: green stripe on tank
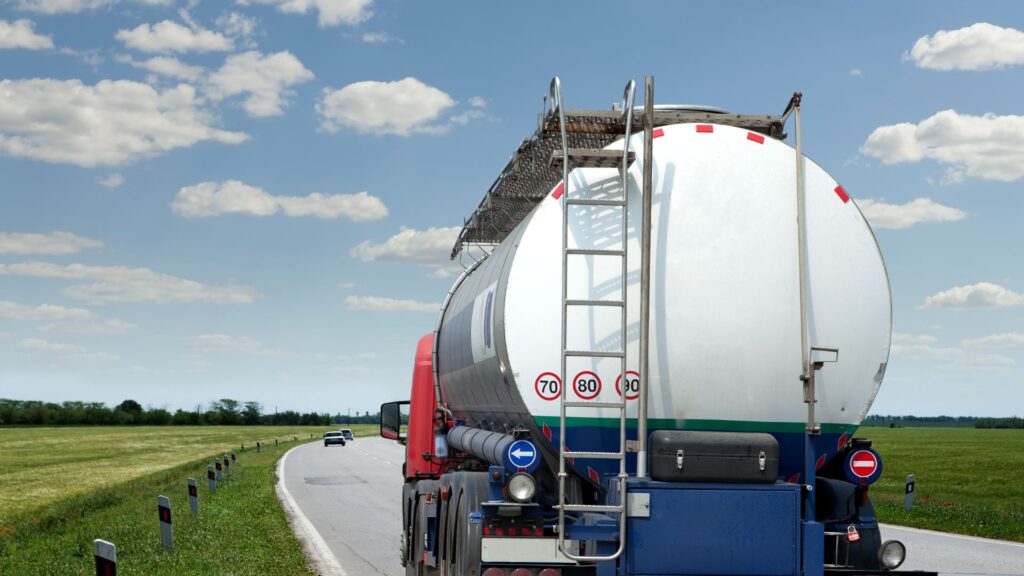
x=695 y=424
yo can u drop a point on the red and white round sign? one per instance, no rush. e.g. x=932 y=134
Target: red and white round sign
x=863 y=464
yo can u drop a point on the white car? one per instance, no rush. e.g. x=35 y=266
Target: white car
x=334 y=437
x=347 y=434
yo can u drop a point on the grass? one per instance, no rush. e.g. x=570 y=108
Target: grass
x=239 y=530
x=968 y=481
x=44 y=465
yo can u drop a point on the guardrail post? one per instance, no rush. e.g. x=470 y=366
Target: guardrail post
x=105 y=554
x=193 y=496
x=163 y=506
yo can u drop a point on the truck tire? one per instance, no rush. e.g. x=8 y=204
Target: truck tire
x=467 y=535
x=415 y=565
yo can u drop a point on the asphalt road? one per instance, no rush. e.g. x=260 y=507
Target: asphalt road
x=349 y=516
x=352 y=497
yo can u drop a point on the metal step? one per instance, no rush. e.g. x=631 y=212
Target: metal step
x=585 y=202
x=596 y=455
x=593 y=354
x=591 y=508
x=612 y=303
x=590 y=158
x=594 y=252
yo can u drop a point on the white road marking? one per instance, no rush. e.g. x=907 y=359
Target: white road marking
x=327 y=562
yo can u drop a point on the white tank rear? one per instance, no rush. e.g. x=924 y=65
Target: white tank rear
x=725 y=317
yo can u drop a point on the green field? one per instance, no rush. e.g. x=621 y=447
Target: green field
x=968 y=481
x=45 y=465
x=103 y=482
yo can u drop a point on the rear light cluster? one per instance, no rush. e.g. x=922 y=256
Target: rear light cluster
x=494 y=571
x=498 y=526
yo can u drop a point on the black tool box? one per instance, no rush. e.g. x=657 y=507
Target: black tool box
x=697 y=456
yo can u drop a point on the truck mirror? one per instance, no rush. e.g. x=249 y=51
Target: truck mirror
x=394 y=416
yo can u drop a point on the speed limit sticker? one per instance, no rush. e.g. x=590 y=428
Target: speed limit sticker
x=548 y=386
x=632 y=385
x=586 y=385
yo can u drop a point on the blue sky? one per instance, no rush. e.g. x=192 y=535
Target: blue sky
x=256 y=199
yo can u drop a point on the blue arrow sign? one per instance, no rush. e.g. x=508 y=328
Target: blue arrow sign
x=522 y=454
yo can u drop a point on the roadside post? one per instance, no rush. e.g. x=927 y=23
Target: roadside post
x=193 y=496
x=163 y=506
x=257 y=447
x=106 y=557
x=212 y=477
x=220 y=470
x=908 y=493
x=275 y=441
x=234 y=458
x=227 y=466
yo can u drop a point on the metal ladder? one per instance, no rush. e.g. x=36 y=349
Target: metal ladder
x=571 y=158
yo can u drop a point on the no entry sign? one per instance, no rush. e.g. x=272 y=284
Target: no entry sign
x=863 y=466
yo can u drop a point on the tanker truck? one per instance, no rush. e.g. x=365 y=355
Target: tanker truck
x=670 y=326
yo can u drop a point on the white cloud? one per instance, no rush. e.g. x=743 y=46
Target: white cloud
x=429 y=247
x=234 y=197
x=75 y=6
x=167 y=66
x=265 y=79
x=169 y=36
x=113 y=122
x=980 y=46
x=329 y=12
x=477 y=102
x=60 y=319
x=237 y=25
x=53 y=243
x=856 y=72
x=989 y=146
x=912 y=339
x=233 y=344
x=43 y=346
x=1000 y=341
x=922 y=347
x=375 y=37
x=980 y=295
x=112 y=181
x=22 y=34
x=124 y=284
x=380 y=304
x=898 y=216
x=346 y=285
x=65 y=351
x=94 y=326
x=402 y=107
x=14 y=311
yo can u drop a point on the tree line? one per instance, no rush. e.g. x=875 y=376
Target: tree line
x=223 y=412
x=943 y=421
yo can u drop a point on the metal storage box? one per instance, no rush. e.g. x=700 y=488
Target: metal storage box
x=696 y=456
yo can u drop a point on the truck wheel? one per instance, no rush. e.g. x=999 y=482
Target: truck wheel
x=467 y=535
x=415 y=545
